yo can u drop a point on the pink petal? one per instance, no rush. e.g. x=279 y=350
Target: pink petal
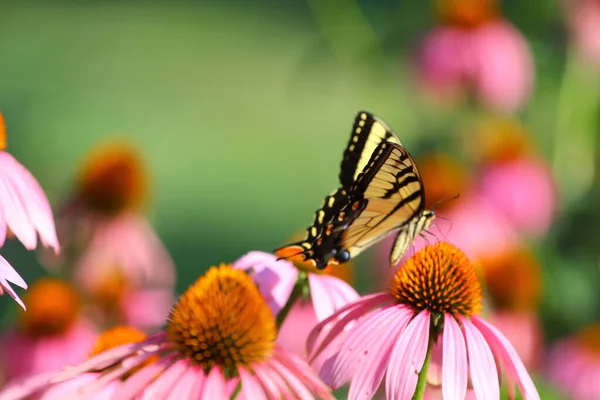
x=136 y=383
x=367 y=380
x=8 y=274
x=340 y=320
x=215 y=386
x=300 y=390
x=15 y=214
x=455 y=373
x=161 y=387
x=354 y=349
x=23 y=388
x=35 y=202
x=189 y=385
x=407 y=358
x=251 y=388
x=273 y=384
x=300 y=368
x=509 y=359
x=329 y=294
x=275 y=278
x=482 y=366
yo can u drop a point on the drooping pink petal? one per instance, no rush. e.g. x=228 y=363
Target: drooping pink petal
x=354 y=350
x=215 y=386
x=15 y=214
x=273 y=380
x=270 y=387
x=333 y=325
x=189 y=385
x=159 y=389
x=7 y=276
x=300 y=390
x=454 y=362
x=251 y=388
x=329 y=294
x=275 y=278
x=366 y=380
x=135 y=384
x=407 y=358
x=34 y=201
x=482 y=366
x=504 y=350
x=23 y=388
x=299 y=367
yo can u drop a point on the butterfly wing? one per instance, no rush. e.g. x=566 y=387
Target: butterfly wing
x=392 y=195
x=368 y=132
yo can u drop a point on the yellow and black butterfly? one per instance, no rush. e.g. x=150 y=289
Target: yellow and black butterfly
x=381 y=192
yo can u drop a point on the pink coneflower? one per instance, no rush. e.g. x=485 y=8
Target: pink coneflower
x=8 y=275
x=219 y=339
x=434 y=295
x=103 y=225
x=50 y=335
x=278 y=278
x=574 y=364
x=42 y=386
x=474 y=50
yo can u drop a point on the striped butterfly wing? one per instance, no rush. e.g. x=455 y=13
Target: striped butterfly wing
x=390 y=194
x=367 y=132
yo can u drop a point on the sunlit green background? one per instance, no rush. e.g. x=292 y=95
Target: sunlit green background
x=242 y=110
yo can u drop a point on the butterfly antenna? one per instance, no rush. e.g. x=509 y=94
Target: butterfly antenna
x=442 y=201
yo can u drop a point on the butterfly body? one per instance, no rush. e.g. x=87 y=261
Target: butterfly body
x=381 y=192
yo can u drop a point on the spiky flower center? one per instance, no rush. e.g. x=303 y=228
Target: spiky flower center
x=440 y=279
x=466 y=13
x=222 y=319
x=2 y=133
x=52 y=307
x=444 y=176
x=113 y=179
x=514 y=280
x=116 y=336
x=589 y=339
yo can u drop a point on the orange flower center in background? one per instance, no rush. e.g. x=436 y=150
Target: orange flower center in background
x=108 y=292
x=116 y=336
x=222 y=319
x=466 y=13
x=499 y=140
x=2 y=133
x=113 y=179
x=514 y=280
x=52 y=307
x=440 y=279
x=443 y=177
x=589 y=339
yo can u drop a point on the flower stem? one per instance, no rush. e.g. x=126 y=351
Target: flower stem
x=296 y=294
x=422 y=382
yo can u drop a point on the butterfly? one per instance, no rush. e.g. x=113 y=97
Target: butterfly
x=381 y=192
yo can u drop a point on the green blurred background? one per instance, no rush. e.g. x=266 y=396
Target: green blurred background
x=242 y=110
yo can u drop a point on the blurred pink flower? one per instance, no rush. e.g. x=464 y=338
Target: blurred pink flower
x=128 y=243
x=277 y=278
x=523 y=191
x=7 y=276
x=196 y=357
x=26 y=355
x=50 y=335
x=492 y=60
x=584 y=19
x=146 y=309
x=392 y=332
x=574 y=364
